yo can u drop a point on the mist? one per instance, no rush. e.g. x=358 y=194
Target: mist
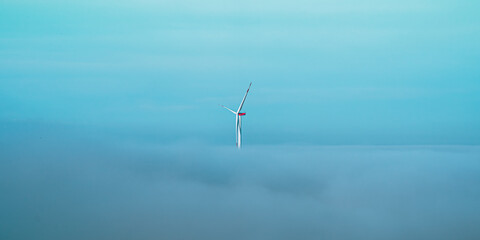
x=62 y=184
x=362 y=120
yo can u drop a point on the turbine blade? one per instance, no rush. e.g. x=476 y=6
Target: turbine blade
x=236 y=130
x=239 y=132
x=241 y=104
x=229 y=109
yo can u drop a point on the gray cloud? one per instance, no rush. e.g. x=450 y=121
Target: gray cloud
x=83 y=186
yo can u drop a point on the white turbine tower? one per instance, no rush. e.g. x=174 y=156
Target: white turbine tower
x=238 y=119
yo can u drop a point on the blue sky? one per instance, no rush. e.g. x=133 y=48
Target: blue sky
x=323 y=72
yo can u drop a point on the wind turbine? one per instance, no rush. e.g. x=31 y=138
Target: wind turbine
x=238 y=120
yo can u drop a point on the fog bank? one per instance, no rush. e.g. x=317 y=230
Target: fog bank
x=74 y=188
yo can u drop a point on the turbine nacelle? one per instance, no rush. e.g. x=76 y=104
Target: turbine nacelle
x=242 y=114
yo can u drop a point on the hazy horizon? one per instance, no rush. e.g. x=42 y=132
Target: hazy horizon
x=323 y=72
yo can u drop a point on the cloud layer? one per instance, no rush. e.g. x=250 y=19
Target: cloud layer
x=58 y=187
